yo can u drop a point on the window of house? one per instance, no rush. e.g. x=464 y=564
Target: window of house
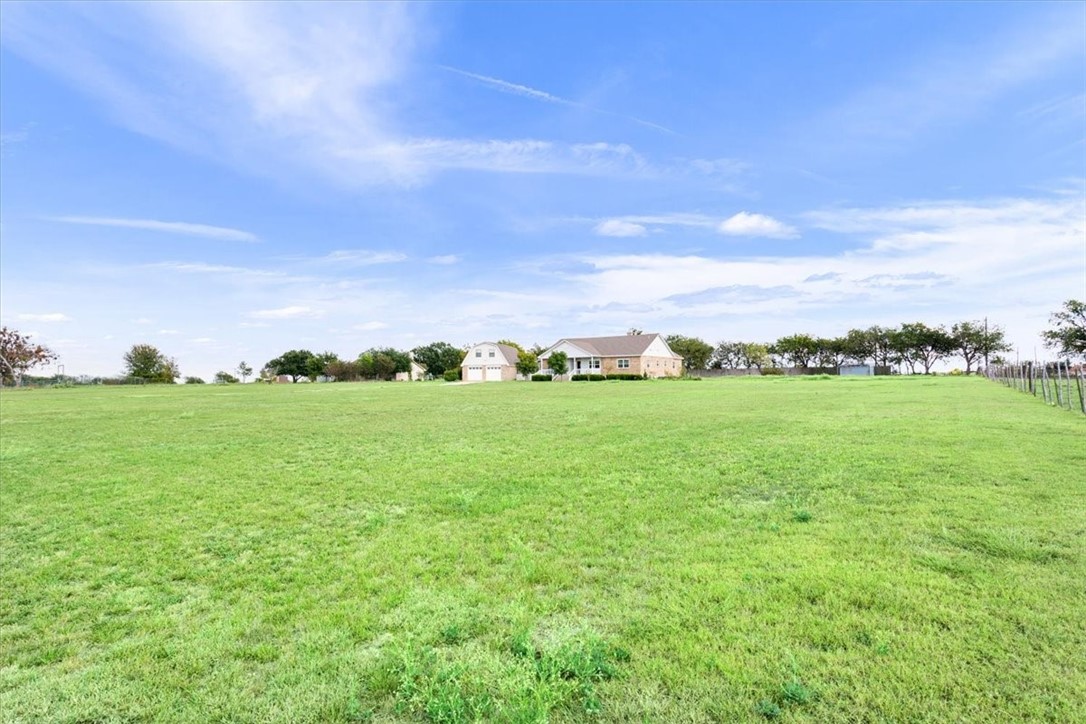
x=491 y=353
x=624 y=364
x=594 y=364
x=478 y=353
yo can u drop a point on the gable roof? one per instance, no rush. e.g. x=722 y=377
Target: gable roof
x=624 y=345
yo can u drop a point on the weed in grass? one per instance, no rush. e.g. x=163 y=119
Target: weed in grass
x=802 y=516
x=768 y=708
x=794 y=692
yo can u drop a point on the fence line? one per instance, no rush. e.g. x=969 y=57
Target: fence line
x=1057 y=383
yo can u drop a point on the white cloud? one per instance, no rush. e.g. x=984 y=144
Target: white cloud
x=294 y=312
x=168 y=332
x=172 y=227
x=48 y=317
x=370 y=326
x=444 y=259
x=619 y=227
x=202 y=340
x=748 y=224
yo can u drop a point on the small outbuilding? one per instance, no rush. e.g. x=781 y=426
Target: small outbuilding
x=489 y=362
x=856 y=370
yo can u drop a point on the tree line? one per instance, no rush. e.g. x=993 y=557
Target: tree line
x=912 y=344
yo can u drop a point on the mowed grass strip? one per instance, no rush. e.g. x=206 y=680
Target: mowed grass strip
x=906 y=549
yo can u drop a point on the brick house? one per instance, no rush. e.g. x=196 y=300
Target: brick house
x=638 y=354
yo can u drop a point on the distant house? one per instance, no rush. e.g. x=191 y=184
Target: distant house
x=418 y=372
x=637 y=354
x=489 y=362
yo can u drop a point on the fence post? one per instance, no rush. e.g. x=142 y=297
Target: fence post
x=1081 y=391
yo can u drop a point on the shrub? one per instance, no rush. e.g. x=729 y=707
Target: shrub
x=452 y=375
x=596 y=378
x=578 y=378
x=193 y=381
x=772 y=371
x=541 y=378
x=624 y=376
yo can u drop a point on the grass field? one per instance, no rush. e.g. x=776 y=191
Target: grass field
x=905 y=549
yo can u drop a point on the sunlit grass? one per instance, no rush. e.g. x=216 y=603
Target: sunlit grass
x=738 y=549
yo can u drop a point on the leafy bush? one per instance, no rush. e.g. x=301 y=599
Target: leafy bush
x=772 y=371
x=578 y=378
x=588 y=378
x=624 y=376
x=452 y=375
x=194 y=381
x=541 y=378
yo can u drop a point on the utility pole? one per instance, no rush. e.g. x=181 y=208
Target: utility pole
x=985 y=345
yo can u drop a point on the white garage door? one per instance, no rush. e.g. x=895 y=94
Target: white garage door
x=475 y=374
x=493 y=374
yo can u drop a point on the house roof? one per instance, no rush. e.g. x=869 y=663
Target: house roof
x=625 y=345
x=509 y=353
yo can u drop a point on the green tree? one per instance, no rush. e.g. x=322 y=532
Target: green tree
x=727 y=356
x=294 y=363
x=882 y=341
x=318 y=363
x=244 y=370
x=437 y=357
x=917 y=343
x=695 y=352
x=342 y=371
x=1068 y=334
x=194 y=380
x=858 y=345
x=831 y=352
x=974 y=343
x=754 y=355
x=527 y=363
x=18 y=355
x=798 y=349
x=225 y=378
x=146 y=362
x=558 y=362
x=383 y=364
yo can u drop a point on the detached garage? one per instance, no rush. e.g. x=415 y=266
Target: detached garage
x=489 y=362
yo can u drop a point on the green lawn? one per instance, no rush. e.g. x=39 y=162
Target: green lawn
x=892 y=549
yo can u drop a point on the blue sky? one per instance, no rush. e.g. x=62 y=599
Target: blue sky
x=231 y=181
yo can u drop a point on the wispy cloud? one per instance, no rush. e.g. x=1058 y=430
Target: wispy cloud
x=741 y=224
x=444 y=259
x=222 y=233
x=358 y=257
x=47 y=317
x=370 y=326
x=620 y=228
x=293 y=312
x=202 y=268
x=528 y=92
x=277 y=89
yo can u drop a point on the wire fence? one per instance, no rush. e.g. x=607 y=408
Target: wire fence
x=1060 y=384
